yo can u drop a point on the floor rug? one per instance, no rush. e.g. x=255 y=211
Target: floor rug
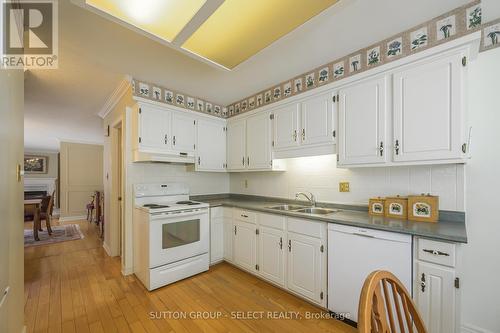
x=61 y=233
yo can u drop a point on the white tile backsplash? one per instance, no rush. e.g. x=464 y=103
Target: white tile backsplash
x=320 y=176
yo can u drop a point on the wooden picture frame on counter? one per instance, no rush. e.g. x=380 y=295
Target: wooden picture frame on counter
x=423 y=208
x=376 y=206
x=396 y=207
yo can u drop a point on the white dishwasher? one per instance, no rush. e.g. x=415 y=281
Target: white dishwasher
x=353 y=253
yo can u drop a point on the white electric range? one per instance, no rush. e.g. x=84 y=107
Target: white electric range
x=171 y=234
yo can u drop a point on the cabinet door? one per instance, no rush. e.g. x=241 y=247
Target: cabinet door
x=183 y=132
x=244 y=245
x=211 y=145
x=317 y=120
x=305 y=266
x=428 y=111
x=154 y=128
x=236 y=143
x=259 y=142
x=216 y=239
x=271 y=254
x=362 y=117
x=228 y=239
x=436 y=297
x=285 y=126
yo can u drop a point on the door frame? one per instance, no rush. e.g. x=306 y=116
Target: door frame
x=116 y=206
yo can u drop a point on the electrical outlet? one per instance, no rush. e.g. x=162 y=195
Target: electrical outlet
x=344 y=187
x=246 y=183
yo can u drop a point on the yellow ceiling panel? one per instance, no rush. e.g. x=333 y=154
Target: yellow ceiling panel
x=238 y=29
x=163 y=18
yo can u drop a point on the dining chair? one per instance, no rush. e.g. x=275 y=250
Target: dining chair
x=90 y=208
x=385 y=306
x=46 y=212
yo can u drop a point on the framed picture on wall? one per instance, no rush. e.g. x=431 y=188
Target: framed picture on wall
x=35 y=164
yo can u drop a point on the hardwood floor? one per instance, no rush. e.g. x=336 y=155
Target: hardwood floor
x=75 y=287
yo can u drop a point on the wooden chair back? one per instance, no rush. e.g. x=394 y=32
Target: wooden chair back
x=50 y=208
x=385 y=306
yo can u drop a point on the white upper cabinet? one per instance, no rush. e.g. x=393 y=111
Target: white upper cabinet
x=236 y=145
x=362 y=117
x=154 y=128
x=428 y=110
x=259 y=142
x=317 y=120
x=183 y=132
x=305 y=128
x=211 y=145
x=286 y=126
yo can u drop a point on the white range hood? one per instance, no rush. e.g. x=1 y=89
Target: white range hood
x=178 y=158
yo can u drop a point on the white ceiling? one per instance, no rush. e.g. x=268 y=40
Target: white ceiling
x=96 y=53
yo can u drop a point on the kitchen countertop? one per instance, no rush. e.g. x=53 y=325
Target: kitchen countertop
x=452 y=231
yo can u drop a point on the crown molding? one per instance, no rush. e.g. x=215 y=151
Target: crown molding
x=115 y=96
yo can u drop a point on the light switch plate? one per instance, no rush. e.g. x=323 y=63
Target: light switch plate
x=344 y=187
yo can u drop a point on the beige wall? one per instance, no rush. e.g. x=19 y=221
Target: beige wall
x=52 y=164
x=81 y=175
x=11 y=200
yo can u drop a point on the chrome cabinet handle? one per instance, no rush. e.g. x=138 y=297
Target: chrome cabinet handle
x=243 y=161
x=248 y=160
x=303 y=134
x=422 y=282
x=396 y=147
x=243 y=215
x=199 y=160
x=235 y=230
x=381 y=148
x=173 y=140
x=294 y=135
x=289 y=245
x=436 y=253
x=166 y=139
x=281 y=243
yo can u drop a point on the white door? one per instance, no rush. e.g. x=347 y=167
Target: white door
x=216 y=239
x=272 y=246
x=236 y=144
x=154 y=128
x=304 y=266
x=183 y=132
x=436 y=297
x=228 y=239
x=362 y=115
x=428 y=110
x=317 y=120
x=211 y=145
x=286 y=126
x=244 y=245
x=259 y=142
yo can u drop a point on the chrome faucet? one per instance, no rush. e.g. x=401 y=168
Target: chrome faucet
x=309 y=197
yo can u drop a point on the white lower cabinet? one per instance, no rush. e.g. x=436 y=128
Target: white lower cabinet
x=245 y=245
x=288 y=252
x=437 y=290
x=216 y=234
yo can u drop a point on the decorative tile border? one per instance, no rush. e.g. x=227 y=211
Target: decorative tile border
x=168 y=96
x=451 y=25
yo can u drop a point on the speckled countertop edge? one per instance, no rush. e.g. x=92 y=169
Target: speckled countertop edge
x=451 y=226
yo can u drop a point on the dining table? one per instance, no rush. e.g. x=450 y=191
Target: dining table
x=35 y=205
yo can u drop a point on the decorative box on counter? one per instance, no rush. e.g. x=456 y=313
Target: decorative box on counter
x=423 y=208
x=376 y=206
x=396 y=207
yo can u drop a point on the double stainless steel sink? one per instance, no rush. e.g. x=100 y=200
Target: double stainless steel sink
x=304 y=209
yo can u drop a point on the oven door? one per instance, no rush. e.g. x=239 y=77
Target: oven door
x=176 y=236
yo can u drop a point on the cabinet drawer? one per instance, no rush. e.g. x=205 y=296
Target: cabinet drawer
x=244 y=215
x=307 y=227
x=436 y=252
x=272 y=221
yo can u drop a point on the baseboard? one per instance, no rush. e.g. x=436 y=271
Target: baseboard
x=72 y=218
x=468 y=328
x=127 y=271
x=107 y=249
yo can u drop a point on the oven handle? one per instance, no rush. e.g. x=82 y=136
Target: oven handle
x=158 y=216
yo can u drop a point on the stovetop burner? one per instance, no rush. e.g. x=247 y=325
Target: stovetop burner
x=155 y=206
x=187 y=202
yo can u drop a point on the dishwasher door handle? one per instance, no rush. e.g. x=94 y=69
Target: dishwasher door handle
x=362 y=235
